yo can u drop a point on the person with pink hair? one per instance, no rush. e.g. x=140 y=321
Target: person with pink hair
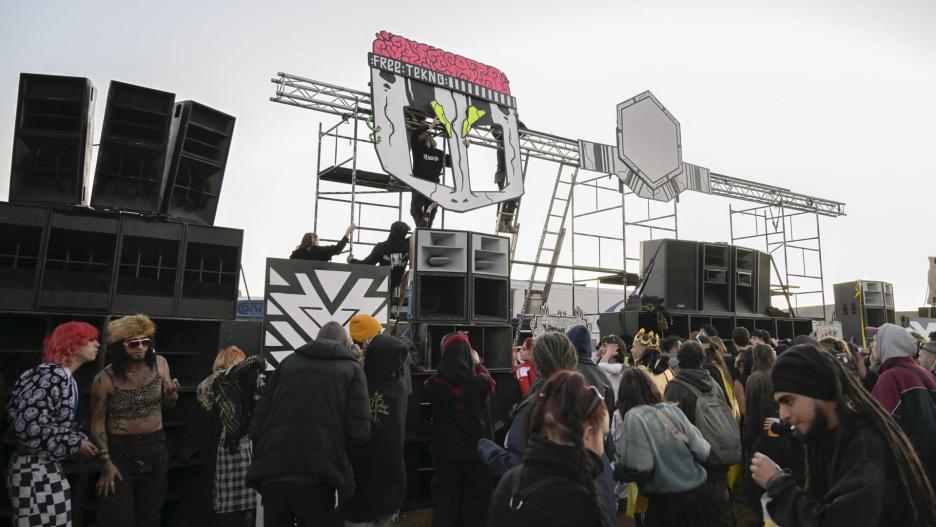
x=43 y=410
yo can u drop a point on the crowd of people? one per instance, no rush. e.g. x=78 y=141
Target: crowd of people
x=668 y=431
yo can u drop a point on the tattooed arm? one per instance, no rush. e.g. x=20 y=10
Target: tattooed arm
x=100 y=389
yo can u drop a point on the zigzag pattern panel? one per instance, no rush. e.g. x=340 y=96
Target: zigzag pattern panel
x=301 y=296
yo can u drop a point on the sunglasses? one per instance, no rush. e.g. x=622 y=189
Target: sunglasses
x=138 y=343
x=596 y=400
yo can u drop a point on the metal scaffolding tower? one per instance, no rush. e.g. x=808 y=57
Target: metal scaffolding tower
x=353 y=105
x=793 y=240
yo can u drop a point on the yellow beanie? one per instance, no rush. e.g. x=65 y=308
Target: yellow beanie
x=363 y=327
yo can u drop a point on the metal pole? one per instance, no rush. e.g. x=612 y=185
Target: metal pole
x=731 y=222
x=821 y=274
x=353 y=169
x=786 y=262
x=318 y=170
x=676 y=218
x=572 y=204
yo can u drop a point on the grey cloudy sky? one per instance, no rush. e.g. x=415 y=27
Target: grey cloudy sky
x=833 y=99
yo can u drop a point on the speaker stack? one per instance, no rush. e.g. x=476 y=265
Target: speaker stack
x=161 y=161
x=872 y=308
x=710 y=277
x=461 y=283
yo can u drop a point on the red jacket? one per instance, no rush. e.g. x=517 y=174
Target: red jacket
x=908 y=392
x=526 y=375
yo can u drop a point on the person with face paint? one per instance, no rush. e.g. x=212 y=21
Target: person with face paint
x=860 y=467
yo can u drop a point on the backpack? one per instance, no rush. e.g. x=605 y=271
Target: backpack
x=714 y=420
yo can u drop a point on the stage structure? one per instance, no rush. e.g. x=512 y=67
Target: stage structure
x=642 y=175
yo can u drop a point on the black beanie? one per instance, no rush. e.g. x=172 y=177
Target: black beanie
x=801 y=370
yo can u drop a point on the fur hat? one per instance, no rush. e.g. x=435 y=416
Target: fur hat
x=128 y=326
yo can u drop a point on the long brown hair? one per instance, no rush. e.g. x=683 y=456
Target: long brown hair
x=636 y=389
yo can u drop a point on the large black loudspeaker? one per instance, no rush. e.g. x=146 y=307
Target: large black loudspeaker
x=211 y=263
x=440 y=280
x=52 y=140
x=200 y=138
x=148 y=267
x=79 y=262
x=490 y=284
x=674 y=274
x=874 y=307
x=745 y=283
x=22 y=245
x=716 y=277
x=133 y=152
x=763 y=282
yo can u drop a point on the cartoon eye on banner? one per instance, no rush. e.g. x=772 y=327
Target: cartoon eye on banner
x=410 y=80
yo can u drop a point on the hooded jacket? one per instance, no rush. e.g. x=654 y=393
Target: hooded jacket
x=564 y=501
x=679 y=394
x=653 y=456
x=380 y=473
x=313 y=417
x=908 y=392
x=581 y=339
x=392 y=252
x=458 y=396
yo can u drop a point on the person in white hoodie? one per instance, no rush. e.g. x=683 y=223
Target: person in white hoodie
x=612 y=359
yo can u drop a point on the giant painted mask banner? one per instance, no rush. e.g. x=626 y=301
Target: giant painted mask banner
x=412 y=79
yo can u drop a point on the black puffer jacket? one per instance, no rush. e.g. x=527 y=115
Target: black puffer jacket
x=562 y=500
x=379 y=472
x=313 y=416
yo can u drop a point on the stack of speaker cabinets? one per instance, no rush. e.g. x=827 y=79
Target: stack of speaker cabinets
x=873 y=307
x=461 y=283
x=146 y=245
x=709 y=277
x=74 y=259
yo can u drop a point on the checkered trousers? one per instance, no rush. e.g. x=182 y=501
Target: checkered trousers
x=231 y=491
x=39 y=493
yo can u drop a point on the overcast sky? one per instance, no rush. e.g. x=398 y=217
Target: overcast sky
x=833 y=99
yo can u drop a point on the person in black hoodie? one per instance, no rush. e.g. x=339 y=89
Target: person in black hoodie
x=581 y=339
x=458 y=396
x=555 y=485
x=428 y=163
x=392 y=252
x=309 y=248
x=379 y=473
x=310 y=424
x=860 y=467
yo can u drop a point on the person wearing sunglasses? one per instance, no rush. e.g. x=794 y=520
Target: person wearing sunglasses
x=555 y=485
x=127 y=400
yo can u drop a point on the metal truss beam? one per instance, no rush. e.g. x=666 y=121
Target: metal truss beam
x=347 y=103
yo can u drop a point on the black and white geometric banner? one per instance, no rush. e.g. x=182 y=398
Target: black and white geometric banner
x=301 y=296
